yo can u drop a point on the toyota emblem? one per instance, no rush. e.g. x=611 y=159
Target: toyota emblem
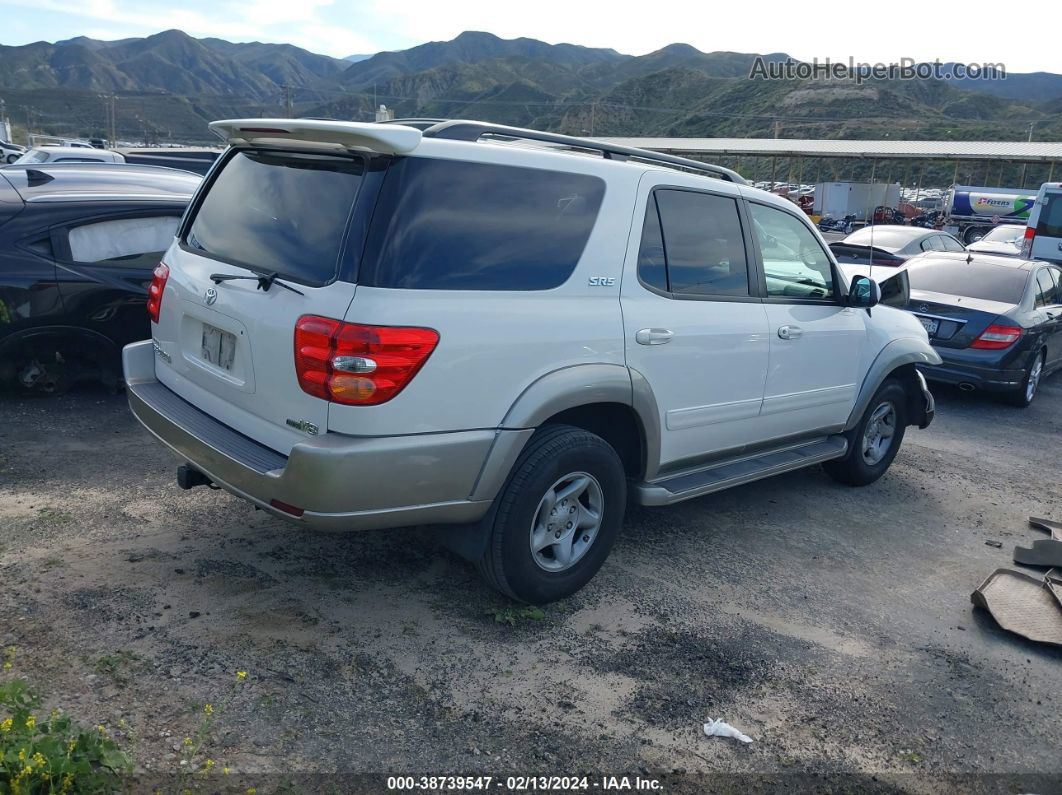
x=210 y=296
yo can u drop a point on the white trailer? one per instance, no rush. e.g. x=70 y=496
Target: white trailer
x=840 y=199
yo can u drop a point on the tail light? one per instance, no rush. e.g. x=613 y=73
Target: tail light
x=358 y=365
x=156 y=289
x=997 y=337
x=1027 y=243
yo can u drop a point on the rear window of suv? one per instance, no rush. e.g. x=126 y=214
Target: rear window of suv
x=279 y=211
x=454 y=225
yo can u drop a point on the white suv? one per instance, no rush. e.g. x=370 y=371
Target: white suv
x=511 y=332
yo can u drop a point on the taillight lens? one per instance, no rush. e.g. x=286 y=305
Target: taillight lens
x=1027 y=243
x=156 y=289
x=355 y=364
x=997 y=337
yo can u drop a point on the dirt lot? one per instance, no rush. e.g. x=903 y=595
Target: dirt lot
x=831 y=624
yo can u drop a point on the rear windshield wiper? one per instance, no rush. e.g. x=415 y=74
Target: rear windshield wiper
x=265 y=281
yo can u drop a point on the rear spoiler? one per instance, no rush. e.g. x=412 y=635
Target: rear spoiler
x=394 y=139
x=865 y=255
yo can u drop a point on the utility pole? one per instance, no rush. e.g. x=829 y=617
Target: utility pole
x=1025 y=166
x=777 y=128
x=114 y=120
x=288 y=102
x=593 y=107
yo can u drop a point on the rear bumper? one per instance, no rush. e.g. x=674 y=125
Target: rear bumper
x=960 y=369
x=340 y=482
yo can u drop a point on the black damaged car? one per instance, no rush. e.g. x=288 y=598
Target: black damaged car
x=78 y=244
x=996 y=321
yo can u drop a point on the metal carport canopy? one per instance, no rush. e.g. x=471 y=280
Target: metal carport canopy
x=1022 y=151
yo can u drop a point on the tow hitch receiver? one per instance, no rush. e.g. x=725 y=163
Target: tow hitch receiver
x=189 y=477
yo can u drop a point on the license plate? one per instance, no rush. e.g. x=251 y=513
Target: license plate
x=930 y=325
x=219 y=347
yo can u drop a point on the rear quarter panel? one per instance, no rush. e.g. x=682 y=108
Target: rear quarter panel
x=494 y=344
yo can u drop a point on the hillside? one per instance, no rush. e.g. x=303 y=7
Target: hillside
x=170 y=85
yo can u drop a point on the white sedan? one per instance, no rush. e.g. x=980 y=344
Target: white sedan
x=1004 y=239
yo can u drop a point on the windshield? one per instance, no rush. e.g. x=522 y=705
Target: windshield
x=1004 y=234
x=970 y=280
x=34 y=156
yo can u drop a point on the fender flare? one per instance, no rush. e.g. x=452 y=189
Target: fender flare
x=560 y=390
x=906 y=350
x=569 y=388
x=101 y=341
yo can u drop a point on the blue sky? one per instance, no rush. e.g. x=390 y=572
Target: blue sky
x=926 y=31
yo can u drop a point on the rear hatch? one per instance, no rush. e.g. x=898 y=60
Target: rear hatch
x=262 y=246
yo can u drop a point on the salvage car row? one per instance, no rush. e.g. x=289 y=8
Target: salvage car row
x=77 y=263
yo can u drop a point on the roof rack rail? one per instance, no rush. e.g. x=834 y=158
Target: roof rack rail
x=474 y=130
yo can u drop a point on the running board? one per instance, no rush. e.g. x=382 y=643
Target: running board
x=736 y=471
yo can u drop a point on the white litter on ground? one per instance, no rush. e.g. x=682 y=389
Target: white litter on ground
x=717 y=728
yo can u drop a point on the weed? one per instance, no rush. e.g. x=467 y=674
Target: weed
x=512 y=614
x=51 y=753
x=119 y=666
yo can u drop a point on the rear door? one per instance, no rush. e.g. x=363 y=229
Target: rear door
x=693 y=326
x=817 y=344
x=1049 y=303
x=227 y=344
x=104 y=265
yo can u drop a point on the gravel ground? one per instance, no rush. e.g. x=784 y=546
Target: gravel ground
x=831 y=624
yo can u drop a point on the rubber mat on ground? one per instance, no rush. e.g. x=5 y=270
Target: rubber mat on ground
x=1046 y=552
x=1021 y=604
x=1048 y=526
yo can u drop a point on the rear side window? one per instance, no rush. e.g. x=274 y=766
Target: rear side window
x=950 y=243
x=652 y=267
x=704 y=244
x=279 y=211
x=452 y=225
x=1047 y=294
x=970 y=280
x=128 y=242
x=1050 y=223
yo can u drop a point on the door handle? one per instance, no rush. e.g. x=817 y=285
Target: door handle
x=653 y=336
x=790 y=332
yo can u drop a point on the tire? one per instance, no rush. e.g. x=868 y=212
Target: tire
x=857 y=468
x=1023 y=395
x=558 y=458
x=973 y=233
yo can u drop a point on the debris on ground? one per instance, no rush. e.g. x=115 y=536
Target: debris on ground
x=1048 y=526
x=717 y=728
x=1046 y=552
x=996 y=544
x=1022 y=604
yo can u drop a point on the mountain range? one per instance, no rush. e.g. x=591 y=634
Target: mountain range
x=170 y=85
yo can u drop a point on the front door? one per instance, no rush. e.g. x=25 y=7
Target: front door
x=693 y=328
x=816 y=344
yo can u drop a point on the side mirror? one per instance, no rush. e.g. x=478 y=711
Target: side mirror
x=864 y=292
